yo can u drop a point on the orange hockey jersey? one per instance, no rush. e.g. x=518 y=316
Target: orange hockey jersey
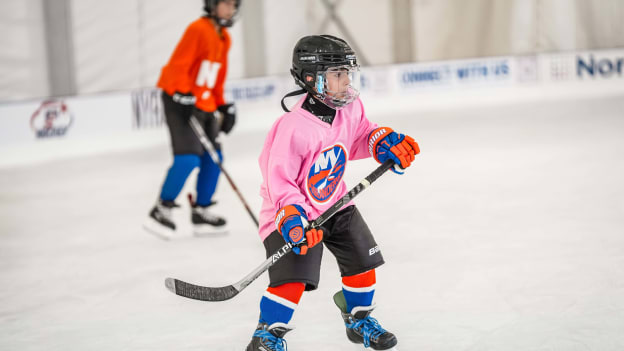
x=198 y=65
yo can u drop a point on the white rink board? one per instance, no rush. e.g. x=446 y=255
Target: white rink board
x=126 y=120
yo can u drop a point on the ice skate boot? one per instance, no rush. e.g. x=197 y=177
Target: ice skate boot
x=205 y=222
x=160 y=220
x=269 y=337
x=362 y=328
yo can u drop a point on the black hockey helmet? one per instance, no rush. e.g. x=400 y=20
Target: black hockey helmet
x=210 y=6
x=317 y=55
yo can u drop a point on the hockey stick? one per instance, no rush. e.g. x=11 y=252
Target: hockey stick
x=203 y=139
x=204 y=293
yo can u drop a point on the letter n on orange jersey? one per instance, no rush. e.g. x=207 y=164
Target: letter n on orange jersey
x=207 y=74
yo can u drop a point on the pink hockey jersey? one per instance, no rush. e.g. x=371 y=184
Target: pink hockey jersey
x=304 y=159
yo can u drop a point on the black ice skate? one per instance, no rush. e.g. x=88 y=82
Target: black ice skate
x=160 y=222
x=206 y=222
x=362 y=328
x=269 y=337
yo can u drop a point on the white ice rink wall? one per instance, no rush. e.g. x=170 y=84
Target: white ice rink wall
x=47 y=129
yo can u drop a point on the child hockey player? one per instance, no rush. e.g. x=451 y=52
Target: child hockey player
x=302 y=163
x=192 y=84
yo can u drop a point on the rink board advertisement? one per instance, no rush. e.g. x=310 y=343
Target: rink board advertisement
x=593 y=66
x=487 y=72
x=107 y=117
x=147 y=109
x=62 y=118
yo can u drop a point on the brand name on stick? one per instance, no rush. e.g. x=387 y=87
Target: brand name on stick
x=281 y=252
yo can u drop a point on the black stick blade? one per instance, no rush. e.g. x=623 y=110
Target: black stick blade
x=202 y=293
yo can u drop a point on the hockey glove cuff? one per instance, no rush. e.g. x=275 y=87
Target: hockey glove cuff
x=186 y=99
x=384 y=144
x=291 y=221
x=228 y=112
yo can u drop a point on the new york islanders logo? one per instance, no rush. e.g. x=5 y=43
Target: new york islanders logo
x=326 y=173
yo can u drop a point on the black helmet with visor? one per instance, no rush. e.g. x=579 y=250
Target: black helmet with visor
x=326 y=67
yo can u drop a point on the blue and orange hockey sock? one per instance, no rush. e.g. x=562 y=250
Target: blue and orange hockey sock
x=279 y=303
x=359 y=289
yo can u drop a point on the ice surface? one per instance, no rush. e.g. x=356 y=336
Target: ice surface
x=507 y=234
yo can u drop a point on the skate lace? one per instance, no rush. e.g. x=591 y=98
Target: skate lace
x=369 y=328
x=272 y=341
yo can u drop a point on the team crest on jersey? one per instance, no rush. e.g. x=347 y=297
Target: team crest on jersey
x=326 y=173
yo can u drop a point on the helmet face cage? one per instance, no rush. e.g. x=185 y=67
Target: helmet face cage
x=333 y=78
x=211 y=8
x=338 y=86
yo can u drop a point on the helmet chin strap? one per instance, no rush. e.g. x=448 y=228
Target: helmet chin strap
x=292 y=93
x=223 y=22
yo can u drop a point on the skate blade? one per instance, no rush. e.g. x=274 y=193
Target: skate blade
x=206 y=230
x=158 y=230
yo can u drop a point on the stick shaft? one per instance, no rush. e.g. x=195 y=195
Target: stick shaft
x=205 y=293
x=203 y=139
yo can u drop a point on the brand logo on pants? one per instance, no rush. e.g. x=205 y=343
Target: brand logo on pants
x=373 y=250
